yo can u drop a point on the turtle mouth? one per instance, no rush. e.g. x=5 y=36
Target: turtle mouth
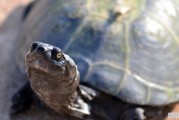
x=38 y=65
x=33 y=61
x=31 y=57
x=37 y=59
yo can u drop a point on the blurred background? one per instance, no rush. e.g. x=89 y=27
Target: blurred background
x=10 y=80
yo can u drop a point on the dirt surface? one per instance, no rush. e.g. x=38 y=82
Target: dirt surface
x=10 y=77
x=7 y=6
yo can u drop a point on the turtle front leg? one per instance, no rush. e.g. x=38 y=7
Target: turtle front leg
x=22 y=99
x=81 y=108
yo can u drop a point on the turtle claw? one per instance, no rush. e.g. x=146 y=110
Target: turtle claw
x=80 y=109
x=21 y=100
x=87 y=93
x=133 y=114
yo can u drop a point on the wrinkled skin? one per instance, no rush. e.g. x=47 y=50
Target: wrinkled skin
x=54 y=84
x=54 y=79
x=57 y=89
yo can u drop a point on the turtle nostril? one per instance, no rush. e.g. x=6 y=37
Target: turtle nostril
x=33 y=47
x=40 y=49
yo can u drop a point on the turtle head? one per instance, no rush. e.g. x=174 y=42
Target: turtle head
x=47 y=58
x=53 y=75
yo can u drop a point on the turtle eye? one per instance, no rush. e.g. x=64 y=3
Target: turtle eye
x=56 y=55
x=59 y=55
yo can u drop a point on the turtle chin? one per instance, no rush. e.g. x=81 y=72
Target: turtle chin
x=42 y=80
x=51 y=84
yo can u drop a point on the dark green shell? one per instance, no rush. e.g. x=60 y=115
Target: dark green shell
x=134 y=56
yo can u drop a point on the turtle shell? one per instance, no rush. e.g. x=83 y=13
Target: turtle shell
x=125 y=48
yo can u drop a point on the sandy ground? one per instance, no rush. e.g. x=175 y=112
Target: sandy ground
x=10 y=77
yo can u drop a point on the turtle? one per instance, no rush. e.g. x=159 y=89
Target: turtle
x=115 y=51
